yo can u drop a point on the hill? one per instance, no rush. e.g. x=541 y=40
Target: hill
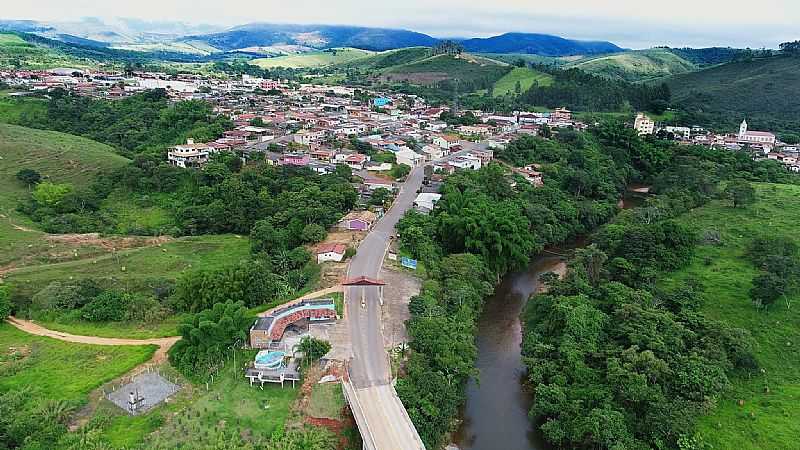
x=59 y=157
x=313 y=59
x=313 y=36
x=525 y=77
x=759 y=411
x=636 y=65
x=762 y=90
x=539 y=44
x=464 y=68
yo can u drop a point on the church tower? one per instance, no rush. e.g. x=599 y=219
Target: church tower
x=743 y=129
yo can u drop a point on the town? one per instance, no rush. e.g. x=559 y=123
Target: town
x=288 y=123
x=327 y=237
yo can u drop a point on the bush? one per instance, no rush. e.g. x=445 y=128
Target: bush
x=29 y=177
x=5 y=302
x=110 y=306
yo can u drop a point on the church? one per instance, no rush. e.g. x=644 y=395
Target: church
x=755 y=137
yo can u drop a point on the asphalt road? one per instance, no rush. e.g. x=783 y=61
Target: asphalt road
x=370 y=363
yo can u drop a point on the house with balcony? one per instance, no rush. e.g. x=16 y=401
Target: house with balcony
x=189 y=155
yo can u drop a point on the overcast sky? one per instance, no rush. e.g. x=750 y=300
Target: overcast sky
x=630 y=23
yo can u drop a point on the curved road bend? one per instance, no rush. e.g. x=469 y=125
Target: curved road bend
x=370 y=375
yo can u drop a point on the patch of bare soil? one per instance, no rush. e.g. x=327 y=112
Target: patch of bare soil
x=109 y=243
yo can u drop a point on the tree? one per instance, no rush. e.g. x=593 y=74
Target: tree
x=741 y=192
x=767 y=288
x=29 y=177
x=266 y=238
x=791 y=48
x=313 y=233
x=5 y=302
x=380 y=196
x=400 y=171
x=313 y=349
x=49 y=194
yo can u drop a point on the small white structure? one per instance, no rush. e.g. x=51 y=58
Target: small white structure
x=331 y=252
x=426 y=201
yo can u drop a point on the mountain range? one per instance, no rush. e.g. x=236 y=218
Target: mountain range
x=136 y=34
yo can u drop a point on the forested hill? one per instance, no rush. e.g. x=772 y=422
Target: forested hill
x=762 y=90
x=538 y=44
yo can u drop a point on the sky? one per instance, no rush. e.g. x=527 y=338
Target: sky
x=629 y=23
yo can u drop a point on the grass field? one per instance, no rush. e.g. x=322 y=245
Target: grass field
x=522 y=75
x=314 y=59
x=59 y=157
x=765 y=420
x=61 y=370
x=15 y=52
x=137 y=268
x=430 y=70
x=327 y=401
x=230 y=403
x=639 y=65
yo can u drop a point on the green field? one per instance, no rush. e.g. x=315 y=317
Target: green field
x=388 y=59
x=230 y=403
x=638 y=65
x=59 y=157
x=61 y=370
x=430 y=70
x=766 y=419
x=522 y=75
x=313 y=59
x=15 y=52
x=138 y=268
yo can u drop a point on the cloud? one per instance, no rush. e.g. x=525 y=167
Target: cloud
x=630 y=23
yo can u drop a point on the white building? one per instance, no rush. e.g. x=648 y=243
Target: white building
x=755 y=137
x=644 y=125
x=331 y=252
x=409 y=157
x=189 y=154
x=426 y=201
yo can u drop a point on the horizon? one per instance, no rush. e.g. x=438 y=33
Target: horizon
x=713 y=24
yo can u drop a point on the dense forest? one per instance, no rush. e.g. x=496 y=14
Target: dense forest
x=576 y=90
x=146 y=121
x=485 y=226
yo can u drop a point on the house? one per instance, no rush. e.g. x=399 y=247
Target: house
x=189 y=155
x=644 y=125
x=294 y=159
x=531 y=175
x=561 y=115
x=426 y=201
x=356 y=161
x=446 y=141
x=358 y=221
x=323 y=155
x=373 y=183
x=331 y=252
x=409 y=158
x=432 y=152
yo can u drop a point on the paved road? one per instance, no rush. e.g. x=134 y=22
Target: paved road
x=382 y=419
x=370 y=365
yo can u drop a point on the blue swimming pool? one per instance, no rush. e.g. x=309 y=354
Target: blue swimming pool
x=268 y=359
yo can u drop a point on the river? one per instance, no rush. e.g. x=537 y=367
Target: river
x=495 y=416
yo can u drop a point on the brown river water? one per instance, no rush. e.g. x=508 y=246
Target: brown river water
x=495 y=416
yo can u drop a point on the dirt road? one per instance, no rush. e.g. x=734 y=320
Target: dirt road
x=164 y=344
